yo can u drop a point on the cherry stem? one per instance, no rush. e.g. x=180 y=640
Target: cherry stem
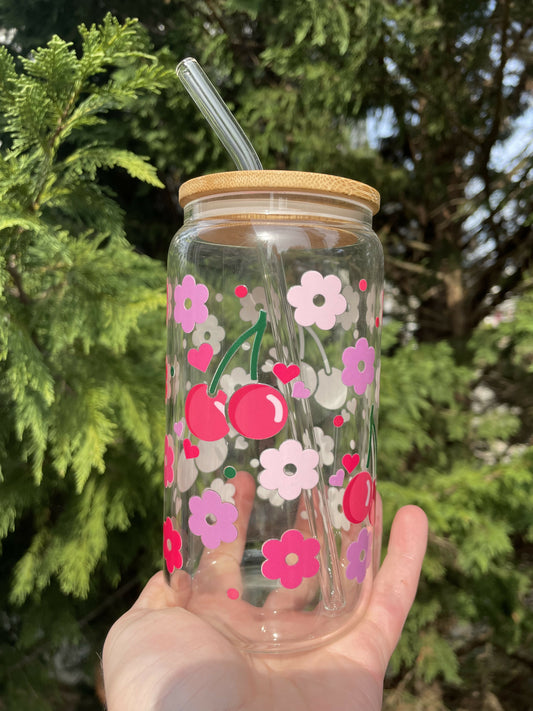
x=373 y=437
x=257 y=330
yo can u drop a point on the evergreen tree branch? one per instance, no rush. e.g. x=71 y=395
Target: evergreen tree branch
x=11 y=268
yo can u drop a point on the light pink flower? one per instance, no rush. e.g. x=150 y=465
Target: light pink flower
x=279 y=554
x=289 y=469
x=189 y=303
x=359 y=365
x=318 y=300
x=358 y=557
x=212 y=519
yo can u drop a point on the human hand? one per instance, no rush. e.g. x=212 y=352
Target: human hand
x=160 y=656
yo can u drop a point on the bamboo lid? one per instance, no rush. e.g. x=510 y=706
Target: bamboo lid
x=243 y=181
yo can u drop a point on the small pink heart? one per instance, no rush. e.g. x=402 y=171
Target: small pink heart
x=300 y=391
x=200 y=357
x=178 y=428
x=286 y=373
x=350 y=461
x=337 y=479
x=191 y=450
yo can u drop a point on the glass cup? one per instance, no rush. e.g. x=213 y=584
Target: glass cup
x=275 y=294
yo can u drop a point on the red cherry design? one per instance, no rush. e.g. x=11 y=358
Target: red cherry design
x=205 y=415
x=257 y=411
x=358 y=497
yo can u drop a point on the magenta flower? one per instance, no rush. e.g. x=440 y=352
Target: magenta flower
x=212 y=519
x=318 y=300
x=358 y=557
x=169 y=461
x=359 y=365
x=290 y=559
x=171 y=546
x=189 y=303
x=289 y=469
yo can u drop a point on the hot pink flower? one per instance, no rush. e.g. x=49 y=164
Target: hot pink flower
x=318 y=300
x=169 y=461
x=189 y=303
x=279 y=554
x=171 y=546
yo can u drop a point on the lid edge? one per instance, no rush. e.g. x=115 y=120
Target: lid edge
x=297 y=181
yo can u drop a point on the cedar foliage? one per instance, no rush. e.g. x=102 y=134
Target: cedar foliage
x=81 y=346
x=456 y=410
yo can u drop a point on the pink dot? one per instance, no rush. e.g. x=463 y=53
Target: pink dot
x=377 y=321
x=338 y=420
x=232 y=594
x=363 y=284
x=241 y=291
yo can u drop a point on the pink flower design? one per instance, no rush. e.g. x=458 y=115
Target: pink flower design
x=171 y=546
x=169 y=461
x=353 y=358
x=212 y=519
x=290 y=559
x=289 y=469
x=318 y=300
x=189 y=307
x=358 y=557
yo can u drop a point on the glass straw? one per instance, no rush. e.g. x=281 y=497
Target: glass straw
x=217 y=114
x=236 y=142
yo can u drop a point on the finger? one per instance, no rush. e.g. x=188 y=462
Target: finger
x=220 y=569
x=374 y=639
x=378 y=533
x=158 y=594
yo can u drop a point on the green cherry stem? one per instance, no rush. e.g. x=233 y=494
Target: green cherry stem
x=257 y=330
x=373 y=437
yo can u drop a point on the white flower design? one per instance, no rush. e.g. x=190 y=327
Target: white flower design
x=224 y=489
x=351 y=315
x=371 y=308
x=270 y=495
x=325 y=445
x=209 y=332
x=338 y=518
x=238 y=377
x=254 y=302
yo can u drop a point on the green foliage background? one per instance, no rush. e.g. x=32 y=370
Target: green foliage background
x=85 y=223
